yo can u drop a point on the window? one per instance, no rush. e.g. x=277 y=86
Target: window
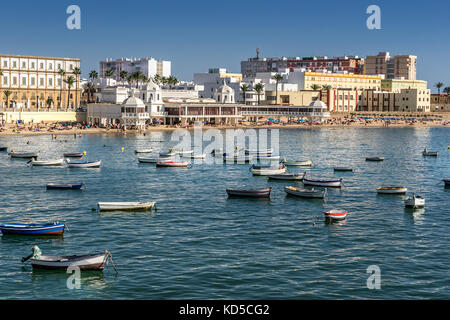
x=15 y=81
x=24 y=81
x=33 y=65
x=41 y=66
x=50 y=66
x=5 y=64
x=41 y=82
x=50 y=82
x=24 y=65
x=33 y=81
x=14 y=64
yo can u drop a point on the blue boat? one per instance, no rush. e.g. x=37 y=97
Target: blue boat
x=64 y=186
x=3 y=149
x=47 y=229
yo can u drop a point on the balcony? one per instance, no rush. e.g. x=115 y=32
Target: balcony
x=158 y=114
x=135 y=115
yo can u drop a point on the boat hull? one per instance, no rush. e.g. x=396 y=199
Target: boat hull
x=50 y=163
x=288 y=176
x=342 y=169
x=54 y=186
x=33 y=229
x=125 y=206
x=307 y=163
x=305 y=193
x=24 y=155
x=392 y=190
x=73 y=155
x=93 y=164
x=415 y=202
x=83 y=262
x=375 y=159
x=335 y=214
x=172 y=164
x=323 y=183
x=262 y=193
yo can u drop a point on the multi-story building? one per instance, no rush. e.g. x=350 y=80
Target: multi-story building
x=215 y=78
x=34 y=82
x=148 y=66
x=292 y=98
x=396 y=85
x=348 y=64
x=440 y=102
x=407 y=100
x=400 y=66
x=257 y=64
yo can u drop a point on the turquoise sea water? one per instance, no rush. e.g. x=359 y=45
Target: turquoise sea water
x=201 y=245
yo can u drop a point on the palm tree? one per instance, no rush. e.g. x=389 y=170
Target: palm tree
x=172 y=81
x=278 y=77
x=315 y=87
x=439 y=85
x=164 y=80
x=49 y=102
x=93 y=75
x=130 y=80
x=244 y=89
x=138 y=76
x=7 y=93
x=123 y=75
x=89 y=89
x=109 y=73
x=77 y=73
x=70 y=81
x=326 y=87
x=259 y=87
x=157 y=79
x=62 y=73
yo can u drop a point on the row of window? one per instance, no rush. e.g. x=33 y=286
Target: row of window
x=14 y=65
x=33 y=96
x=15 y=81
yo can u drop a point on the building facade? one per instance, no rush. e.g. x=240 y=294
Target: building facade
x=349 y=64
x=148 y=66
x=34 y=82
x=396 y=85
x=400 y=66
x=440 y=103
x=215 y=78
x=407 y=100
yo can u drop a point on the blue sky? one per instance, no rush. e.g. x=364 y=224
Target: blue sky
x=197 y=35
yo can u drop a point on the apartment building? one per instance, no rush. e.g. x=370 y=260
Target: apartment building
x=34 y=82
x=440 y=102
x=214 y=78
x=396 y=85
x=148 y=66
x=407 y=100
x=344 y=64
x=396 y=67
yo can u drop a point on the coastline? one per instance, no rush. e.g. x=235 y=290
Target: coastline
x=77 y=131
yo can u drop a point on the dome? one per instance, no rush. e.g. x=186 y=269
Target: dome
x=133 y=101
x=318 y=104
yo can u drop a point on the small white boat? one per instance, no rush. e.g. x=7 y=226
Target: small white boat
x=169 y=154
x=268 y=170
x=305 y=193
x=427 y=153
x=122 y=206
x=152 y=159
x=259 y=152
x=335 y=214
x=47 y=163
x=149 y=150
x=267 y=158
x=85 y=164
x=194 y=156
x=25 y=155
x=181 y=151
x=172 y=164
x=288 y=176
x=334 y=183
x=414 y=201
x=306 y=163
x=392 y=190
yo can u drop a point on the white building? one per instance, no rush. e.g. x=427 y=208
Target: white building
x=215 y=78
x=148 y=66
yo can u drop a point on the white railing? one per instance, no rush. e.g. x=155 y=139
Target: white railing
x=287 y=113
x=135 y=115
x=158 y=113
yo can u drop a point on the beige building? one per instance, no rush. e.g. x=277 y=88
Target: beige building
x=34 y=82
x=440 y=102
x=407 y=100
x=401 y=66
x=292 y=98
x=396 y=85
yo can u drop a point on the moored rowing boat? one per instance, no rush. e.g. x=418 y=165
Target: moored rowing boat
x=306 y=163
x=55 y=228
x=334 y=183
x=251 y=193
x=170 y=163
x=47 y=163
x=305 y=193
x=288 y=176
x=374 y=159
x=392 y=190
x=64 y=186
x=85 y=164
x=125 y=206
x=23 y=154
x=335 y=214
x=73 y=154
x=268 y=170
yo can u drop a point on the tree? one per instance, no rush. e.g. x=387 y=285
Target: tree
x=49 y=102
x=89 y=89
x=77 y=73
x=93 y=75
x=123 y=75
x=172 y=81
x=164 y=80
x=278 y=77
x=244 y=89
x=130 y=80
x=7 y=93
x=109 y=74
x=326 y=87
x=439 y=85
x=259 y=87
x=315 y=87
x=70 y=80
x=62 y=73
x=138 y=76
x=157 y=79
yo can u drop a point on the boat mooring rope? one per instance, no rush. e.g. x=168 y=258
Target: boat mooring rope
x=108 y=256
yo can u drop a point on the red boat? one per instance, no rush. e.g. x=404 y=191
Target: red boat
x=335 y=214
x=169 y=163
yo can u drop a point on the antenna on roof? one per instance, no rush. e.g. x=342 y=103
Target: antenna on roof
x=257 y=53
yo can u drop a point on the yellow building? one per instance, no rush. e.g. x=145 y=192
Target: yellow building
x=407 y=100
x=292 y=98
x=341 y=81
x=401 y=66
x=34 y=82
x=396 y=85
